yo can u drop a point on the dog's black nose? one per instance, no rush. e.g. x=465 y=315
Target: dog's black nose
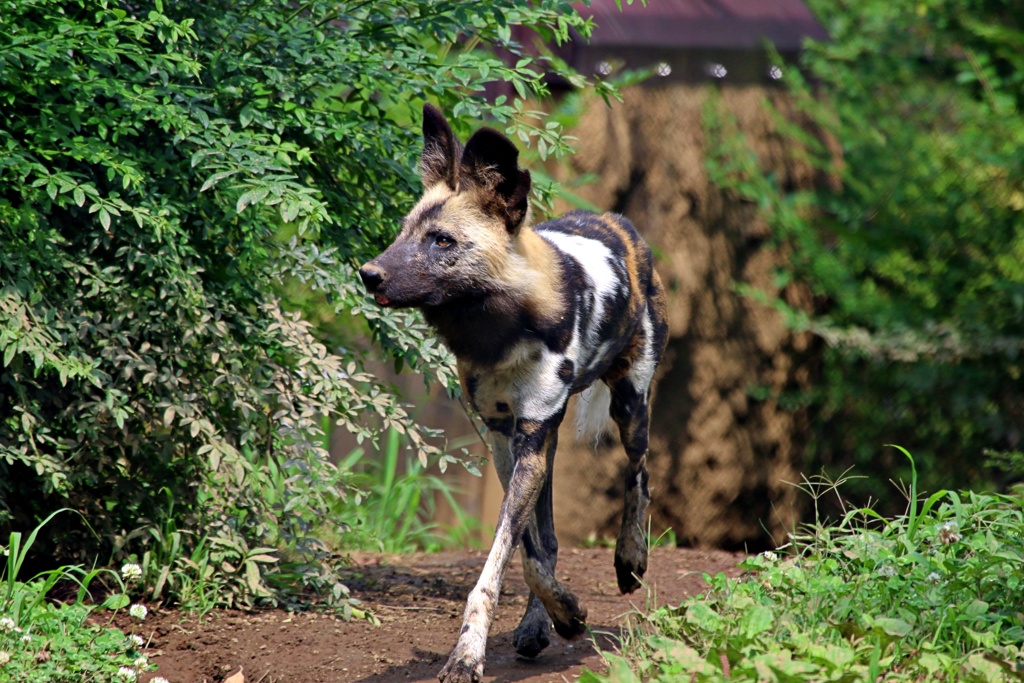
x=372 y=277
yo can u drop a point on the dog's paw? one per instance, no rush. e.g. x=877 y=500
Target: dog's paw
x=569 y=616
x=530 y=638
x=574 y=626
x=462 y=668
x=630 y=566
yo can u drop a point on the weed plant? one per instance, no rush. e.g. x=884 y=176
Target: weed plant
x=43 y=641
x=936 y=594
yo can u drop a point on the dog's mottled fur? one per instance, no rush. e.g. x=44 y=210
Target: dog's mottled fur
x=533 y=315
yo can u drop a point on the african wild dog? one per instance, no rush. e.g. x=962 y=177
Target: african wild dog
x=533 y=315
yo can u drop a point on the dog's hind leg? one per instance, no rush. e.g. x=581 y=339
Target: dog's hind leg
x=630 y=409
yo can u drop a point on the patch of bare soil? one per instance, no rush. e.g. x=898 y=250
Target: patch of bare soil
x=419 y=600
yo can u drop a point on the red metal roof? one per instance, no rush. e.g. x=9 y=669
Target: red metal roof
x=734 y=24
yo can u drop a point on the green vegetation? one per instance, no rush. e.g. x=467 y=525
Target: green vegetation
x=56 y=642
x=176 y=180
x=186 y=190
x=934 y=594
x=913 y=242
x=395 y=505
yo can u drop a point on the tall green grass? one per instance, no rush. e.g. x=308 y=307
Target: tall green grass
x=394 y=502
x=936 y=594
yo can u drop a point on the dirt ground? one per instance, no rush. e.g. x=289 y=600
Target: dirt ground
x=419 y=601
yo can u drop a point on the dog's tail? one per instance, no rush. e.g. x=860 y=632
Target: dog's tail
x=592 y=420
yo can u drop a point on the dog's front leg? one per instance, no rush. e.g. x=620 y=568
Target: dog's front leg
x=529 y=441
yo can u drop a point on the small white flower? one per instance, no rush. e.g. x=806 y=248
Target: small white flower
x=4 y=657
x=138 y=611
x=159 y=679
x=137 y=640
x=127 y=673
x=26 y=638
x=140 y=663
x=949 y=532
x=934 y=577
x=886 y=571
x=7 y=624
x=769 y=556
x=131 y=572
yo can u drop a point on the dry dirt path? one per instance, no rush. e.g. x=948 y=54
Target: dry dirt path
x=419 y=601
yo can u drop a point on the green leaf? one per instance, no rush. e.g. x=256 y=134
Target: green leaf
x=756 y=620
x=251 y=197
x=703 y=617
x=116 y=601
x=216 y=178
x=893 y=627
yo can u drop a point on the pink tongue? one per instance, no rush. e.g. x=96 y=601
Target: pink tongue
x=381 y=299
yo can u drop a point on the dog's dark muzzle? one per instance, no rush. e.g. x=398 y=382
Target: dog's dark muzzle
x=373 y=277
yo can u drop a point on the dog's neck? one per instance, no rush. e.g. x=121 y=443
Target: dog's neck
x=480 y=329
x=525 y=301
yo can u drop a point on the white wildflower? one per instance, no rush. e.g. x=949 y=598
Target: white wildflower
x=131 y=572
x=934 y=577
x=949 y=532
x=887 y=571
x=769 y=556
x=138 y=611
x=7 y=624
x=137 y=640
x=4 y=657
x=127 y=673
x=140 y=663
x=26 y=638
x=159 y=679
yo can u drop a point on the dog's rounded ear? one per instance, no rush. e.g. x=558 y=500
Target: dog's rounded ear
x=439 y=162
x=491 y=163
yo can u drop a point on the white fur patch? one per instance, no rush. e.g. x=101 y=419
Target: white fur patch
x=643 y=369
x=596 y=260
x=592 y=420
x=538 y=391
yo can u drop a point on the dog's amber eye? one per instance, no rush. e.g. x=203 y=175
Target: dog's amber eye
x=443 y=241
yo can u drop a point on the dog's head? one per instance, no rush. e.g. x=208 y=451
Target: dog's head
x=456 y=242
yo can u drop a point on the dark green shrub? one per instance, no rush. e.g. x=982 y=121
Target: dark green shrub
x=165 y=172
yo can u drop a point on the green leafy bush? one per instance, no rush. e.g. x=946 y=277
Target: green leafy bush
x=933 y=594
x=167 y=171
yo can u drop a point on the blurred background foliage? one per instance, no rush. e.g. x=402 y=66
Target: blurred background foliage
x=915 y=249
x=177 y=181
